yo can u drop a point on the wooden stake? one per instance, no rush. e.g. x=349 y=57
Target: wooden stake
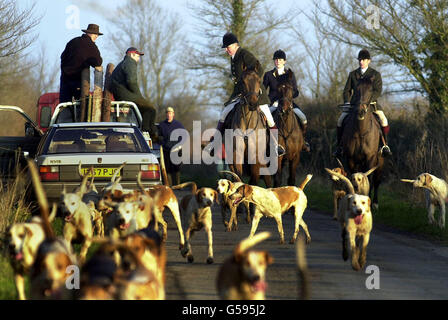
x=97 y=95
x=107 y=95
x=162 y=166
x=85 y=90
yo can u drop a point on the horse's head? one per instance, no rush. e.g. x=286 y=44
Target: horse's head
x=363 y=97
x=286 y=92
x=251 y=87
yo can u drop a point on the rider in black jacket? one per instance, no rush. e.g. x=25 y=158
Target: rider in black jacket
x=270 y=81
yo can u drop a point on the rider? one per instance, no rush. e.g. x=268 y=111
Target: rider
x=364 y=71
x=270 y=80
x=241 y=58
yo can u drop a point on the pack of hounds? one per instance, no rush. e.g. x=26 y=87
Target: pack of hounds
x=130 y=261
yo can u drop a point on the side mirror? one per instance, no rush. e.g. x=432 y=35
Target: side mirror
x=29 y=130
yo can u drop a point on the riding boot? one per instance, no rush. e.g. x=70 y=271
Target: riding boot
x=306 y=145
x=385 y=150
x=279 y=148
x=219 y=130
x=338 y=152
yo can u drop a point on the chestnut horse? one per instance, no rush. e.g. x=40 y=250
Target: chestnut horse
x=289 y=131
x=249 y=132
x=361 y=137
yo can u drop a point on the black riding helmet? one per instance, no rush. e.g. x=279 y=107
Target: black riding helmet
x=279 y=54
x=363 y=54
x=228 y=39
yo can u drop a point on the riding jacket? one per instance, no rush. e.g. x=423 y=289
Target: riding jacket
x=353 y=80
x=270 y=81
x=244 y=59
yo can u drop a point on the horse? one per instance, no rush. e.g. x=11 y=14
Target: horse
x=361 y=136
x=289 y=131
x=249 y=132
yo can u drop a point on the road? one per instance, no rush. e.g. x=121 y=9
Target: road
x=408 y=267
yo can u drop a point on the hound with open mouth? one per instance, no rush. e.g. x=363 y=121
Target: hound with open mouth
x=49 y=274
x=243 y=275
x=355 y=218
x=24 y=240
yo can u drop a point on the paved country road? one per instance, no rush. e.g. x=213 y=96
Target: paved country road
x=409 y=268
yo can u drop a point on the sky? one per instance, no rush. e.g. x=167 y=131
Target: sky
x=63 y=20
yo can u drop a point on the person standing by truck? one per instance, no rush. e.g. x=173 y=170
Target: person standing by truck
x=124 y=86
x=166 y=127
x=79 y=53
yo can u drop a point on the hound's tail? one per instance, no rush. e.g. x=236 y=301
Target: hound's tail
x=193 y=185
x=233 y=174
x=345 y=179
x=302 y=268
x=248 y=243
x=307 y=179
x=42 y=201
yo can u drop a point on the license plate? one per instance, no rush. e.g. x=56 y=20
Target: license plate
x=101 y=172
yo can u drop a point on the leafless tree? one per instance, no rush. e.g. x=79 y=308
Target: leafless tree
x=156 y=32
x=257 y=26
x=410 y=34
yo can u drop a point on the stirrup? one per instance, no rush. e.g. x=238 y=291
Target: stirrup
x=385 y=151
x=280 y=150
x=338 y=152
x=306 y=147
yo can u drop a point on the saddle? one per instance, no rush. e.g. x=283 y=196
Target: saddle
x=351 y=112
x=229 y=118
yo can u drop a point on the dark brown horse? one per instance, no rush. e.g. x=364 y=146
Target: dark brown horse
x=289 y=132
x=361 y=136
x=249 y=132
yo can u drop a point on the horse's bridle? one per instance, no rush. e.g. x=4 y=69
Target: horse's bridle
x=288 y=101
x=249 y=94
x=363 y=110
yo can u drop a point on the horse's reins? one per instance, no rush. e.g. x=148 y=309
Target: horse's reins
x=244 y=98
x=290 y=107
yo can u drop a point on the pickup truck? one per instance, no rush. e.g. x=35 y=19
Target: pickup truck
x=15 y=150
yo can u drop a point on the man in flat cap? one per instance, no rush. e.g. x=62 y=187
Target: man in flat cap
x=363 y=72
x=79 y=53
x=124 y=86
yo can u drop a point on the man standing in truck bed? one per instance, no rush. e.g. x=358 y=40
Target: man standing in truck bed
x=124 y=87
x=80 y=53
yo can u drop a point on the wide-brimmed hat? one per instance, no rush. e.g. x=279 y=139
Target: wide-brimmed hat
x=134 y=50
x=93 y=28
x=363 y=54
x=228 y=39
x=279 y=54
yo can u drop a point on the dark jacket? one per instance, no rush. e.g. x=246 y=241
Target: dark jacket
x=165 y=130
x=353 y=80
x=79 y=53
x=124 y=85
x=270 y=81
x=243 y=58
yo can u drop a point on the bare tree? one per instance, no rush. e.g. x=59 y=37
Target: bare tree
x=145 y=25
x=46 y=72
x=256 y=25
x=408 y=33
